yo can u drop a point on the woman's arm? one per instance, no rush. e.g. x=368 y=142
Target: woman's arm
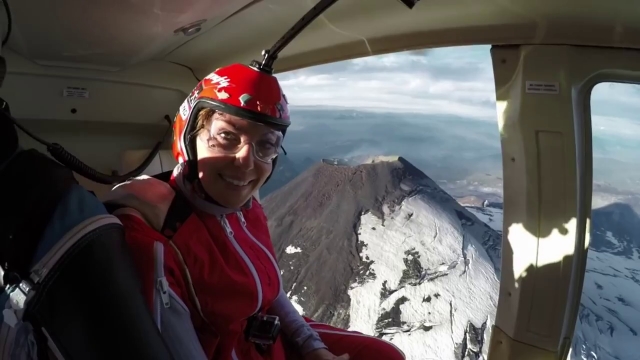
x=294 y=325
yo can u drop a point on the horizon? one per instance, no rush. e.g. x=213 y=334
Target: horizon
x=340 y=109
x=436 y=108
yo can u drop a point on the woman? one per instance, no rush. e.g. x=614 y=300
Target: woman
x=201 y=241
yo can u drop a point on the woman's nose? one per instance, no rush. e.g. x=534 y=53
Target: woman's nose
x=244 y=157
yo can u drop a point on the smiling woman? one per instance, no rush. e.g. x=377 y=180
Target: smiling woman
x=214 y=285
x=231 y=180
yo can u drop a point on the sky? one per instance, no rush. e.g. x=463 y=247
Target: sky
x=452 y=81
x=458 y=82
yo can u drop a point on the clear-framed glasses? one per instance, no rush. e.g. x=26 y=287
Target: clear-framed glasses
x=225 y=138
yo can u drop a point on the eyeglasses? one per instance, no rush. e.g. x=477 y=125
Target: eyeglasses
x=224 y=138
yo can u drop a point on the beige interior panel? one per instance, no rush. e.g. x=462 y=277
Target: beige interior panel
x=64 y=98
x=131 y=159
x=155 y=73
x=548 y=296
x=140 y=94
x=501 y=346
x=542 y=97
x=163 y=161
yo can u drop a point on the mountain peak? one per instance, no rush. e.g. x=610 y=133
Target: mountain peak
x=358 y=246
x=369 y=186
x=391 y=158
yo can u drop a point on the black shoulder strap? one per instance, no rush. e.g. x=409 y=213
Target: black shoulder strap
x=164 y=176
x=178 y=212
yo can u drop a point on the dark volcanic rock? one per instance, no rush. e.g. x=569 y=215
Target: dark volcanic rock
x=286 y=170
x=617 y=222
x=326 y=202
x=319 y=213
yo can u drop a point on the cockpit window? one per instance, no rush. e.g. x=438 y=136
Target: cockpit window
x=409 y=239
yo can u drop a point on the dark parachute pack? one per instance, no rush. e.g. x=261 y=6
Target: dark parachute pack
x=69 y=288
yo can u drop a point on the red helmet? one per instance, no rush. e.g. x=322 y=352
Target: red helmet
x=238 y=90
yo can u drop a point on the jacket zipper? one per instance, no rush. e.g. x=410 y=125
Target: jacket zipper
x=243 y=222
x=252 y=269
x=162 y=285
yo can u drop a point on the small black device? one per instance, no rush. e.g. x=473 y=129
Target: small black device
x=262 y=329
x=410 y=3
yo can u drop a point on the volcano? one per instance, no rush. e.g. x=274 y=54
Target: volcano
x=380 y=248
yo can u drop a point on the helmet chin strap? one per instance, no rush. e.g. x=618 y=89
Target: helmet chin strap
x=273 y=168
x=274 y=163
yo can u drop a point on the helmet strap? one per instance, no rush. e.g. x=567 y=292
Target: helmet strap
x=192 y=171
x=273 y=167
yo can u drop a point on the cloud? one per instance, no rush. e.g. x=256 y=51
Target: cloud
x=616 y=107
x=452 y=81
x=448 y=81
x=455 y=81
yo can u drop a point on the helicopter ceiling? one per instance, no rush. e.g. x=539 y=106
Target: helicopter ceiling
x=112 y=35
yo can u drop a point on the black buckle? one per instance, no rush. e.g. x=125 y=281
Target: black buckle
x=262 y=329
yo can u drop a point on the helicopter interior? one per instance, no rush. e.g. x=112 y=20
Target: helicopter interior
x=99 y=78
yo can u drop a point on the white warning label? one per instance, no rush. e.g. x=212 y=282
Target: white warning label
x=185 y=110
x=77 y=92
x=542 y=87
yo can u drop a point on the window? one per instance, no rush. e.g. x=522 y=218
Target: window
x=393 y=247
x=608 y=324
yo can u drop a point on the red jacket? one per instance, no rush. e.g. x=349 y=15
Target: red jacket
x=220 y=266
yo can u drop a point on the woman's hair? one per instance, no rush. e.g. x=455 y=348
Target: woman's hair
x=203 y=121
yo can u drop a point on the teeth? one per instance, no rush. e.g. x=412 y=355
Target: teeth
x=235 y=182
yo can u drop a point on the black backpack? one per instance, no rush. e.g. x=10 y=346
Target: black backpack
x=69 y=286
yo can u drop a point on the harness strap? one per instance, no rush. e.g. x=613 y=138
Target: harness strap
x=187 y=276
x=179 y=211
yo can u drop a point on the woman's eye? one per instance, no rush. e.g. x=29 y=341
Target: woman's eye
x=227 y=136
x=267 y=145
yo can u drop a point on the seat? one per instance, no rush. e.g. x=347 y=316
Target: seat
x=60 y=247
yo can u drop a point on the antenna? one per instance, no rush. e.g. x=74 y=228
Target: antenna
x=269 y=56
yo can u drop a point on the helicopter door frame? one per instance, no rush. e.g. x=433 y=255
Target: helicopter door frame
x=544 y=117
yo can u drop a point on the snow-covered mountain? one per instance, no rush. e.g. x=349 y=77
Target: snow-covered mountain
x=608 y=324
x=380 y=248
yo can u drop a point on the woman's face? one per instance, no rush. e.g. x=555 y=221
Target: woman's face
x=228 y=168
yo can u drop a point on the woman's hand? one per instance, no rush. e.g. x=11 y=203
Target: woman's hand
x=324 y=354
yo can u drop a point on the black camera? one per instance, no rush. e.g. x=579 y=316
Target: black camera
x=262 y=329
